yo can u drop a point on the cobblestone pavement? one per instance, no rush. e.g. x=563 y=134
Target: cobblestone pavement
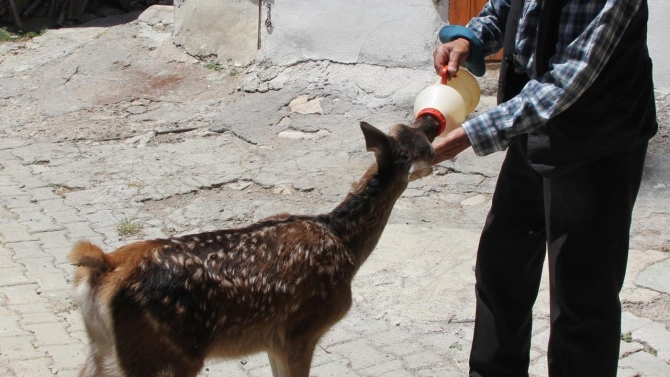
x=189 y=149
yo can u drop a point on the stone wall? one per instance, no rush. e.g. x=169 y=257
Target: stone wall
x=377 y=32
x=225 y=28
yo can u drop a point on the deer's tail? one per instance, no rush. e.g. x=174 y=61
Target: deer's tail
x=87 y=255
x=92 y=264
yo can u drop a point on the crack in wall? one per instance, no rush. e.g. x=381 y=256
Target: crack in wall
x=360 y=50
x=76 y=70
x=224 y=129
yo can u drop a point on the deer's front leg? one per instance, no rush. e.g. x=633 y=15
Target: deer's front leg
x=300 y=358
x=278 y=365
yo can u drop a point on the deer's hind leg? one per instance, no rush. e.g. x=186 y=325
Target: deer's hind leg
x=95 y=366
x=146 y=347
x=141 y=355
x=145 y=356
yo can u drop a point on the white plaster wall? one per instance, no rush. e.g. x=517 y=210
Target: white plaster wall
x=389 y=33
x=383 y=32
x=225 y=28
x=659 y=47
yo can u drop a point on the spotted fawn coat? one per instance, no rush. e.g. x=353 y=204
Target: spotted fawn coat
x=161 y=307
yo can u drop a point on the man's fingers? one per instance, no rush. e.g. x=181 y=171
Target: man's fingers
x=452 y=54
x=449 y=153
x=453 y=67
x=445 y=55
x=448 y=148
x=440 y=58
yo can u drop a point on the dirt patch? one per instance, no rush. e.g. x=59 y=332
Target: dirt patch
x=651 y=233
x=658 y=310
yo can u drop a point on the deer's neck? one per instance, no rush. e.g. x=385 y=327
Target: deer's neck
x=360 y=219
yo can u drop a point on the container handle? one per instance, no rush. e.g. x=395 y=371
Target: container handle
x=445 y=75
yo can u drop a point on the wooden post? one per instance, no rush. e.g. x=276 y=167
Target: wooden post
x=260 y=16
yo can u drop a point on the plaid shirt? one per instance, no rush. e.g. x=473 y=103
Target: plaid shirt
x=588 y=33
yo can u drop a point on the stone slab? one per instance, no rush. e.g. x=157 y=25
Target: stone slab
x=630 y=322
x=646 y=364
x=19 y=348
x=656 y=277
x=16 y=233
x=656 y=336
x=360 y=354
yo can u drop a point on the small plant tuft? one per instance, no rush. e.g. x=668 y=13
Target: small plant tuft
x=457 y=346
x=6 y=36
x=213 y=65
x=33 y=34
x=129 y=227
x=233 y=72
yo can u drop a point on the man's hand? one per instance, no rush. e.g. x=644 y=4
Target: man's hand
x=455 y=143
x=452 y=54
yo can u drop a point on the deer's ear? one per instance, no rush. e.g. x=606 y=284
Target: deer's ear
x=375 y=140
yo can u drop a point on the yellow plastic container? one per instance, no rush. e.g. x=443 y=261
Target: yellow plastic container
x=450 y=100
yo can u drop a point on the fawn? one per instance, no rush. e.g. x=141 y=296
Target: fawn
x=161 y=307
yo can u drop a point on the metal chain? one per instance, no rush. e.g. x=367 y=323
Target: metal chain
x=268 y=20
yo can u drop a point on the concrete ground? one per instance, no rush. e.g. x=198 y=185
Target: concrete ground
x=110 y=132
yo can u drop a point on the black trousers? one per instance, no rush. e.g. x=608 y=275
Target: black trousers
x=581 y=220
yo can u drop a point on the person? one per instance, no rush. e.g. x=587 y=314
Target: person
x=575 y=113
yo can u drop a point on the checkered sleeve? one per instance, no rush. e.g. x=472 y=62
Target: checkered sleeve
x=489 y=25
x=589 y=32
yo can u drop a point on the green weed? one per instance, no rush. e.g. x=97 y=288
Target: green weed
x=129 y=227
x=33 y=34
x=6 y=36
x=214 y=66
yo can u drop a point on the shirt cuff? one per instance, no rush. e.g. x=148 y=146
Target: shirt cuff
x=483 y=137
